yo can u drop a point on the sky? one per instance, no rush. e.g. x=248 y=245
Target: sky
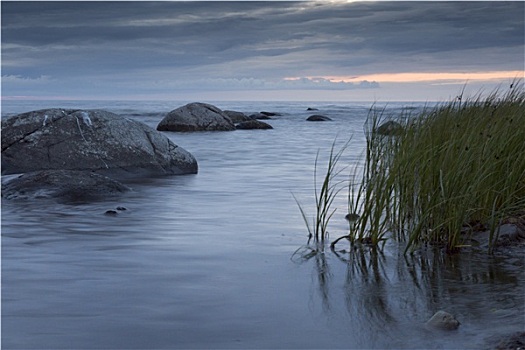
x=267 y=50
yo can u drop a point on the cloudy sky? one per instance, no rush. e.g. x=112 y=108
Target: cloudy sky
x=268 y=50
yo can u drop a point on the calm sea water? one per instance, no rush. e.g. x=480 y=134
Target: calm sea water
x=207 y=260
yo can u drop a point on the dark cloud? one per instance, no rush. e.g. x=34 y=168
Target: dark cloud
x=143 y=42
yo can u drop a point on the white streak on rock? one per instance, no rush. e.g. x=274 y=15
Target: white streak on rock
x=80 y=129
x=86 y=119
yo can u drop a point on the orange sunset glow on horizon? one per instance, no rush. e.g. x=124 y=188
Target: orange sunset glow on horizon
x=413 y=77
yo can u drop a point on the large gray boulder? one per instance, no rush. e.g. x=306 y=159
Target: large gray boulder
x=92 y=140
x=196 y=117
x=66 y=185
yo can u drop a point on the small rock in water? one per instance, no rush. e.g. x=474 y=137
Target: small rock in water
x=121 y=208
x=352 y=217
x=318 y=118
x=259 y=116
x=111 y=212
x=390 y=128
x=271 y=114
x=443 y=320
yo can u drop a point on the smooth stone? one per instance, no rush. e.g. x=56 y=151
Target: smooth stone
x=318 y=118
x=443 y=320
x=66 y=185
x=196 y=117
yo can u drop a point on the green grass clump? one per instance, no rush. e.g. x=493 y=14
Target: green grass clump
x=434 y=177
x=460 y=164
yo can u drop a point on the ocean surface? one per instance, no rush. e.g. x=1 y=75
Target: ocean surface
x=219 y=259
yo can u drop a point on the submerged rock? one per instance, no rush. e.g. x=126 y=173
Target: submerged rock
x=504 y=235
x=260 y=116
x=253 y=124
x=511 y=342
x=271 y=114
x=390 y=128
x=352 y=217
x=114 y=212
x=196 y=117
x=68 y=185
x=443 y=320
x=318 y=118
x=237 y=117
x=89 y=140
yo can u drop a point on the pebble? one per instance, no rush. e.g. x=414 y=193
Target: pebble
x=443 y=320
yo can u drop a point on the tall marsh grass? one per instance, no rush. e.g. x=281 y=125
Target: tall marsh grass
x=324 y=195
x=438 y=177
x=459 y=165
x=369 y=191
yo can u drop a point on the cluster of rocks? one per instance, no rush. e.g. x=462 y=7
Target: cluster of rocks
x=82 y=155
x=205 y=117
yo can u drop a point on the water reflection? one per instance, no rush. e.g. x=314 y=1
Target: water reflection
x=396 y=293
x=316 y=251
x=366 y=287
